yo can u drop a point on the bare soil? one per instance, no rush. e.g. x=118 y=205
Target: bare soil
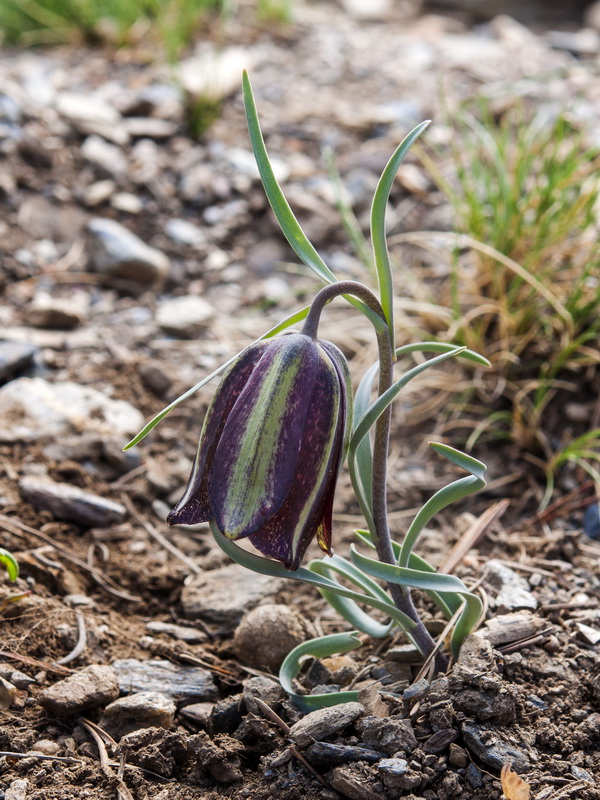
x=526 y=692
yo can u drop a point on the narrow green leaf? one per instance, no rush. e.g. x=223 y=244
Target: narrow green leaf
x=11 y=564
x=273 y=568
x=285 y=216
x=322 y=647
x=444 y=584
x=378 y=232
x=442 y=347
x=448 y=604
x=281 y=208
x=294 y=318
x=445 y=496
x=348 y=608
x=370 y=417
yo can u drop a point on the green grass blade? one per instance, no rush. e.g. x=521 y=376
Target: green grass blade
x=378 y=232
x=281 y=208
x=323 y=647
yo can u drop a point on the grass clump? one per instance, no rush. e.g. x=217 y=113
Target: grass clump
x=527 y=260
x=50 y=22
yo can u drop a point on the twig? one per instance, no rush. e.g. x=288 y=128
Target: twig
x=41 y=757
x=103 y=755
x=19 y=529
x=285 y=728
x=470 y=538
x=34 y=662
x=81 y=641
x=162 y=540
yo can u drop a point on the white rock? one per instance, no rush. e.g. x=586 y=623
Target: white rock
x=46 y=311
x=184 y=316
x=185 y=232
x=125 y=201
x=108 y=158
x=116 y=251
x=99 y=192
x=87 y=108
x=35 y=409
x=368 y=9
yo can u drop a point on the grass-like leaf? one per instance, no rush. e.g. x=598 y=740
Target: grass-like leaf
x=445 y=496
x=442 y=584
x=378 y=232
x=265 y=566
x=285 y=216
x=347 y=608
x=370 y=417
x=322 y=647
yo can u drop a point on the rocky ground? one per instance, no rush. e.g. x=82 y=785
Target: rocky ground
x=135 y=259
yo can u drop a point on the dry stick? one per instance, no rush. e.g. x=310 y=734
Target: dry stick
x=95 y=732
x=104 y=762
x=471 y=536
x=19 y=529
x=162 y=540
x=270 y=714
x=81 y=640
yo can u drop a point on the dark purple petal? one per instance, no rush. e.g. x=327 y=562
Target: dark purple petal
x=194 y=506
x=255 y=463
x=306 y=511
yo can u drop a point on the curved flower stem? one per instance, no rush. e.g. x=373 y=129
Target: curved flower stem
x=381 y=534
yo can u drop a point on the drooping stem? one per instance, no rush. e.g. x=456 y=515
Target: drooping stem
x=381 y=535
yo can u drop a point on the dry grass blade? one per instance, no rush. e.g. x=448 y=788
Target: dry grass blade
x=470 y=538
x=81 y=643
x=19 y=529
x=162 y=540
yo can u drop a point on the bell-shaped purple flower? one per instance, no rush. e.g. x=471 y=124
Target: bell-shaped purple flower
x=271 y=448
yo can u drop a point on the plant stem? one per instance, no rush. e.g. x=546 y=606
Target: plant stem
x=381 y=535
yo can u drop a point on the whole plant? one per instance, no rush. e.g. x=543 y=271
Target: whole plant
x=280 y=426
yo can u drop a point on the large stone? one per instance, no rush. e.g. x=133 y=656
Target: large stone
x=512 y=589
x=278 y=628
x=324 y=722
x=90 y=687
x=139 y=710
x=71 y=503
x=222 y=595
x=391 y=735
x=184 y=317
x=35 y=409
x=117 y=252
x=189 y=684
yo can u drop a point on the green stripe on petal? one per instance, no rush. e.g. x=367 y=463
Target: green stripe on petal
x=256 y=459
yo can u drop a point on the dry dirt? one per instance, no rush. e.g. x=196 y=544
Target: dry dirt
x=526 y=691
